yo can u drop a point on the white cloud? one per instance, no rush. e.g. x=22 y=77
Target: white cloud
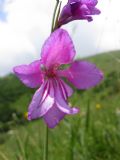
x=28 y=25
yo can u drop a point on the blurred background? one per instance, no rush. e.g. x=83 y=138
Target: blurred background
x=94 y=134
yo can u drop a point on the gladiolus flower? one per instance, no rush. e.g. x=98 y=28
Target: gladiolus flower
x=78 y=10
x=50 y=100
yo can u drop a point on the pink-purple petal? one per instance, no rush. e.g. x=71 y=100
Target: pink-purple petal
x=53 y=116
x=66 y=88
x=89 y=2
x=42 y=101
x=58 y=49
x=83 y=74
x=95 y=11
x=30 y=75
x=61 y=101
x=63 y=106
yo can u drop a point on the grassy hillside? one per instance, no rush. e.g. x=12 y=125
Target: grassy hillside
x=93 y=134
x=108 y=62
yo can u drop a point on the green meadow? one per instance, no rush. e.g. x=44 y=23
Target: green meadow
x=93 y=134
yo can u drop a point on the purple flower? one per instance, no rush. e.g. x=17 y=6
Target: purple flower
x=50 y=100
x=78 y=9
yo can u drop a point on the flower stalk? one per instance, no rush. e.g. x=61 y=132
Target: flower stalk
x=46 y=144
x=56 y=14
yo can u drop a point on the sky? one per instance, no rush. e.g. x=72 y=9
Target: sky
x=25 y=25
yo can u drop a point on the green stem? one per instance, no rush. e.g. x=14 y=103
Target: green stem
x=54 y=15
x=71 y=144
x=57 y=16
x=46 y=144
x=87 y=121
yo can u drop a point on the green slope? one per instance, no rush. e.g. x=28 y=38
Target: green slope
x=108 y=62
